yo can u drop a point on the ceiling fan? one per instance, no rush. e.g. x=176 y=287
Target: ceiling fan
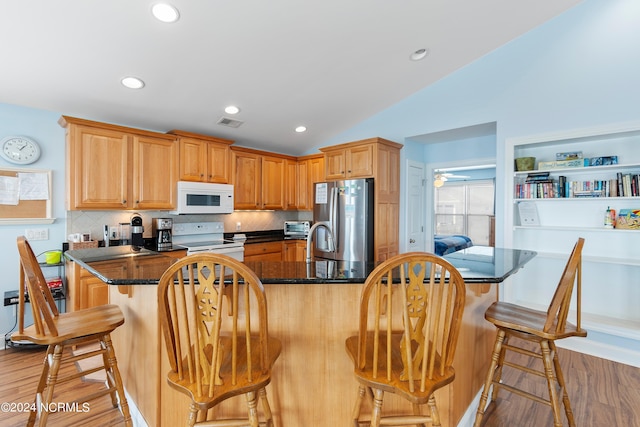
x=441 y=177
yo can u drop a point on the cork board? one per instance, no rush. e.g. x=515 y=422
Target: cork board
x=38 y=183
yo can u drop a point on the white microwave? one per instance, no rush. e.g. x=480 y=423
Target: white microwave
x=203 y=198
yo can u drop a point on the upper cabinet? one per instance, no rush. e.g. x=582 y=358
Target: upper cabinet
x=203 y=158
x=379 y=159
x=310 y=169
x=258 y=179
x=352 y=160
x=114 y=167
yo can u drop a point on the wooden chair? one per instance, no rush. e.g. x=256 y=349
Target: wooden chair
x=542 y=328
x=407 y=335
x=59 y=331
x=213 y=313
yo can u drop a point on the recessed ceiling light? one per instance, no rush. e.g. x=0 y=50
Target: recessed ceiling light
x=300 y=129
x=132 y=82
x=165 y=12
x=419 y=54
x=232 y=109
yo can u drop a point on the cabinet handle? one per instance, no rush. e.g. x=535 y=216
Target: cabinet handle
x=124 y=202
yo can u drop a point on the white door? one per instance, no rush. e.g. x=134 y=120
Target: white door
x=416 y=213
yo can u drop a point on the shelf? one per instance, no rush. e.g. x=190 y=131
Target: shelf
x=574 y=199
x=592 y=259
x=572 y=228
x=582 y=170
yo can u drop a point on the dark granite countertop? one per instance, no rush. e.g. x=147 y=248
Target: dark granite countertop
x=477 y=264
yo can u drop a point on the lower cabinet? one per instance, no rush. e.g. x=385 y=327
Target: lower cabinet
x=295 y=250
x=85 y=290
x=266 y=251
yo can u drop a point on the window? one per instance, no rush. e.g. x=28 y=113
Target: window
x=466 y=207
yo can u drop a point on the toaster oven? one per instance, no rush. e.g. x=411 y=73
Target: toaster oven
x=298 y=229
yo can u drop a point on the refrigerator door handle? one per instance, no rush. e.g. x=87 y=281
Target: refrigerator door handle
x=333 y=217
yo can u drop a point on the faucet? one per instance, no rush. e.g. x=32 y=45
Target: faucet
x=310 y=238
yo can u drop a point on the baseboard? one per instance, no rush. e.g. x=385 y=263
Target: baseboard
x=136 y=416
x=616 y=352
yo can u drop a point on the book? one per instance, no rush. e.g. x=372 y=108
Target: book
x=528 y=213
x=628 y=219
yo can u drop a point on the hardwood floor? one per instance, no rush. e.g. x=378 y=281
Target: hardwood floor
x=602 y=393
x=19 y=374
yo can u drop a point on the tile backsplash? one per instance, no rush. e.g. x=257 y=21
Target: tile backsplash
x=94 y=221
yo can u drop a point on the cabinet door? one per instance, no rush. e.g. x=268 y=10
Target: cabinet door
x=98 y=168
x=359 y=161
x=292 y=185
x=302 y=185
x=290 y=251
x=269 y=251
x=335 y=164
x=94 y=293
x=273 y=192
x=154 y=177
x=218 y=163
x=316 y=173
x=193 y=159
x=246 y=180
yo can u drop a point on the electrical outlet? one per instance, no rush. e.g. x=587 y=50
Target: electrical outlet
x=37 y=233
x=238 y=226
x=114 y=233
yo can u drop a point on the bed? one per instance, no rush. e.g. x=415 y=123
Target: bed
x=444 y=245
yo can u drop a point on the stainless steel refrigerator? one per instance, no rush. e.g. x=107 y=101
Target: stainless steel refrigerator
x=346 y=208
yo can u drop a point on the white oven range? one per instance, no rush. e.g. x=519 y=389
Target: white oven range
x=206 y=237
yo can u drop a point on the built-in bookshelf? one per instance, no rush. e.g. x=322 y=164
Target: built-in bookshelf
x=549 y=208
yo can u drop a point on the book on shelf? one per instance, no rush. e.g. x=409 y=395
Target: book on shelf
x=528 y=213
x=628 y=219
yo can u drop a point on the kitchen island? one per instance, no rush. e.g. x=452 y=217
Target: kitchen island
x=312 y=310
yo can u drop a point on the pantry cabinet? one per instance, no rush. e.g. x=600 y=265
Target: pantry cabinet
x=114 y=167
x=203 y=158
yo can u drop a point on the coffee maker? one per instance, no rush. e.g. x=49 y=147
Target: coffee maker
x=136 y=230
x=162 y=228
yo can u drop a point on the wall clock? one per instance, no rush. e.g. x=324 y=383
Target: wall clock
x=19 y=149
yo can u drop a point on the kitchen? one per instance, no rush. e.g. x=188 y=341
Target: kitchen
x=612 y=101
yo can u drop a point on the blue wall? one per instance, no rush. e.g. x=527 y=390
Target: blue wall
x=43 y=127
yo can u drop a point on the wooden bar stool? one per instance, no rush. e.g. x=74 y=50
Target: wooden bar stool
x=61 y=330
x=542 y=328
x=410 y=315
x=213 y=314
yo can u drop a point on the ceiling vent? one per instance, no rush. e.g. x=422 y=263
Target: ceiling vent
x=232 y=123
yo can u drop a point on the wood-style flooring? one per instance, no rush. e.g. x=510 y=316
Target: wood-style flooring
x=20 y=370
x=602 y=393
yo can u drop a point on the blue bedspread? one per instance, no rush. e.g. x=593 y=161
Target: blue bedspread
x=448 y=244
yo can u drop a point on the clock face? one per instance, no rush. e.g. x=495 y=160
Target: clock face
x=19 y=149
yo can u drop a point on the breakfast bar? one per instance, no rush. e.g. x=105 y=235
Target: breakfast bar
x=312 y=309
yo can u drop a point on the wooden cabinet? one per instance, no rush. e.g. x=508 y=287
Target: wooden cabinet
x=349 y=161
x=154 y=173
x=267 y=251
x=310 y=170
x=258 y=179
x=203 y=158
x=379 y=159
x=295 y=250
x=272 y=183
x=85 y=290
x=113 y=167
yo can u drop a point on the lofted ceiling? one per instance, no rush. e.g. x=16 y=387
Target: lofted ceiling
x=325 y=64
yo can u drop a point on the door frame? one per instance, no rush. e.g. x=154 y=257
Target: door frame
x=457 y=165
